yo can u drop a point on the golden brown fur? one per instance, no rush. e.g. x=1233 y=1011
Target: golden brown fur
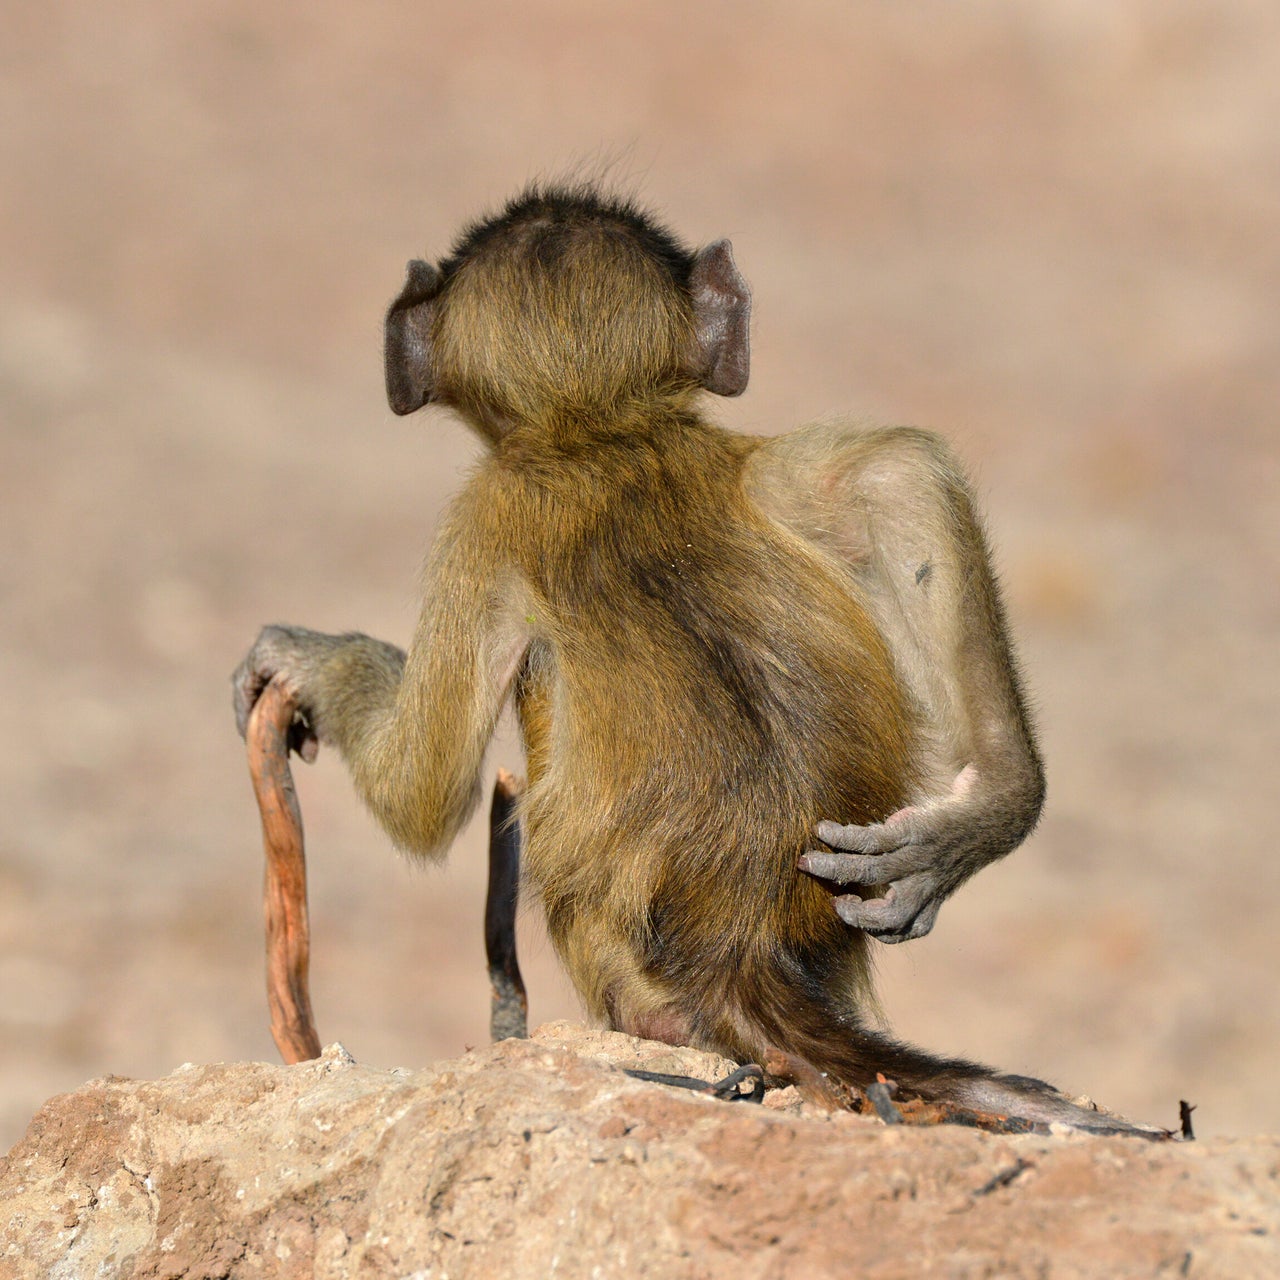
x=684 y=655
x=714 y=644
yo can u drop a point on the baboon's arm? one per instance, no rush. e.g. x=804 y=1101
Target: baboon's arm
x=412 y=727
x=894 y=509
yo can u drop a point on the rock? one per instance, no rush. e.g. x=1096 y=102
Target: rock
x=534 y=1158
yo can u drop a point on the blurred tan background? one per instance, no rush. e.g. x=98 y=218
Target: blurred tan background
x=1049 y=230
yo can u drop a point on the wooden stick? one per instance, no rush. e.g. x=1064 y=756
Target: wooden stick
x=285 y=886
x=509 y=1011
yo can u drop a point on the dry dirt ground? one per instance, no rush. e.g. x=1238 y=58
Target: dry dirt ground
x=1048 y=230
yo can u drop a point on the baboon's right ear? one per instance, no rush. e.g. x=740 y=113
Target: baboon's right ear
x=407 y=346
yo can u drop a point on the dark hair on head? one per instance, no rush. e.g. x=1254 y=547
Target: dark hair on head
x=550 y=218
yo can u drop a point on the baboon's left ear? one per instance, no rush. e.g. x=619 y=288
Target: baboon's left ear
x=722 y=318
x=407 y=347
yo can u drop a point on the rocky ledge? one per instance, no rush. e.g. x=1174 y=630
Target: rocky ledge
x=536 y=1158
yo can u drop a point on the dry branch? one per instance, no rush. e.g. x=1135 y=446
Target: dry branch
x=285 y=885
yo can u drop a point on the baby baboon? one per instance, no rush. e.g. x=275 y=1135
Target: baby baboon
x=720 y=647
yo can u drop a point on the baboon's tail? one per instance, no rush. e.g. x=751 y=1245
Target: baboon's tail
x=803 y=1028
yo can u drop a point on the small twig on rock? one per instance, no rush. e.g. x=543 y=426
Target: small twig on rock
x=880 y=1095
x=1184 y=1115
x=726 y=1088
x=1004 y=1177
x=508 y=1013
x=285 y=886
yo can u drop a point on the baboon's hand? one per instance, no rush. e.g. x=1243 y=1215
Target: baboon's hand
x=922 y=855
x=294 y=655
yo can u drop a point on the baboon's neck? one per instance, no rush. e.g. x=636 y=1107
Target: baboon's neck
x=667 y=458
